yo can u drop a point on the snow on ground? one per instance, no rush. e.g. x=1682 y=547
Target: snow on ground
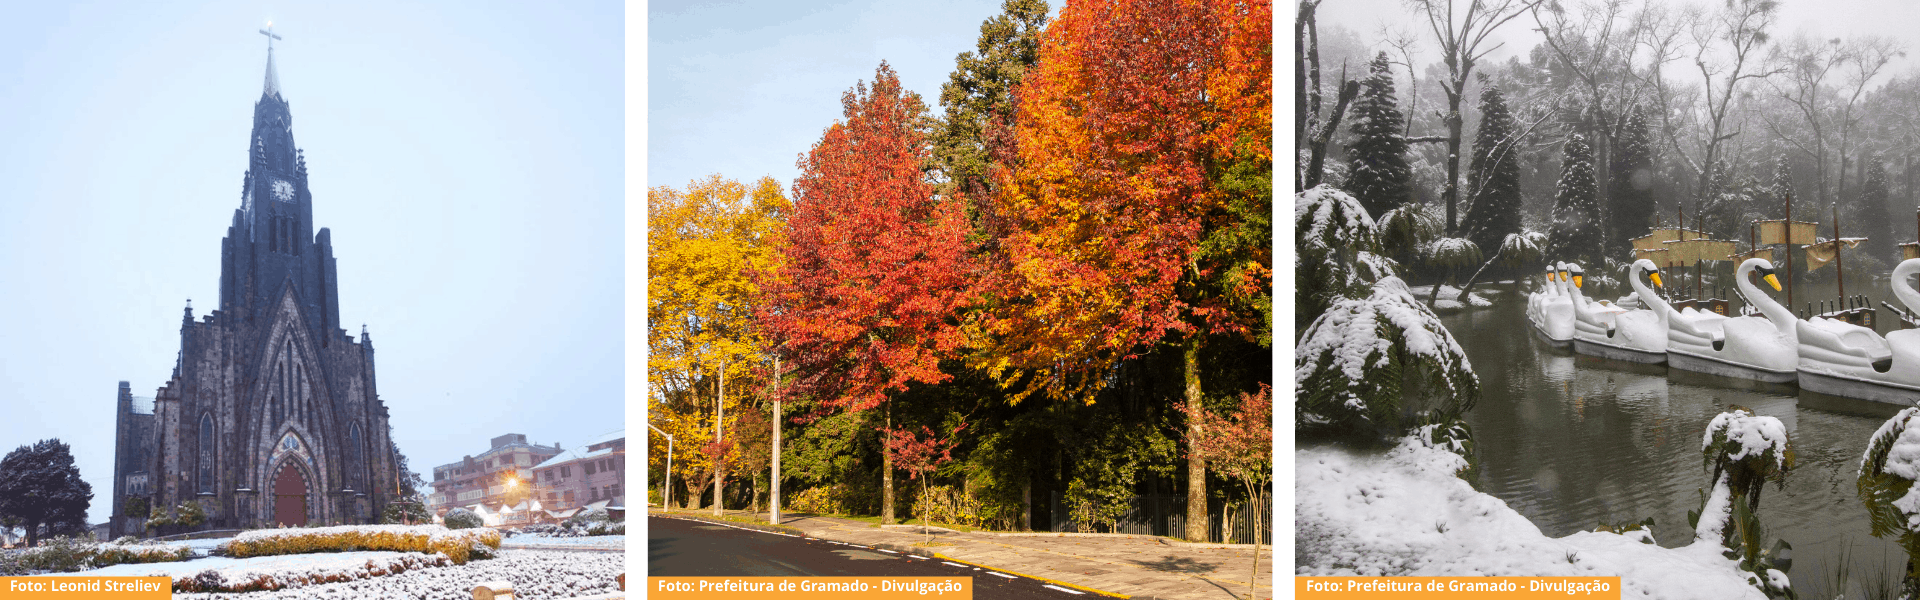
x=289 y=570
x=591 y=541
x=1404 y=513
x=1450 y=297
x=536 y=575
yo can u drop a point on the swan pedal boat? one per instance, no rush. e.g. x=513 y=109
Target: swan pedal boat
x=1552 y=317
x=1761 y=348
x=1638 y=336
x=1842 y=359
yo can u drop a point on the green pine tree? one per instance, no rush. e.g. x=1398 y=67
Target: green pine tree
x=1575 y=236
x=978 y=97
x=1379 y=176
x=1630 y=193
x=1493 y=178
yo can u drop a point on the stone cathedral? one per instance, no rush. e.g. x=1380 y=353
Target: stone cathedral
x=271 y=416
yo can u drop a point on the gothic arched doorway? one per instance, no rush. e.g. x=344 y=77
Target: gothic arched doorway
x=289 y=497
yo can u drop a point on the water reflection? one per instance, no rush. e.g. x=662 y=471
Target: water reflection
x=1573 y=441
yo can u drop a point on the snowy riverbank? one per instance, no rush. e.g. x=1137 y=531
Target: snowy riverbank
x=1404 y=513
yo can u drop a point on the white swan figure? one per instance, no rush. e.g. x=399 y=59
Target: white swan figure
x=1556 y=312
x=1549 y=288
x=1591 y=319
x=1635 y=335
x=1843 y=359
x=1763 y=348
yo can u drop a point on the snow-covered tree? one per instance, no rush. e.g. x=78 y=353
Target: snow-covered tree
x=1379 y=177
x=1380 y=366
x=1576 y=233
x=1720 y=208
x=1493 y=178
x=1782 y=191
x=1875 y=221
x=41 y=487
x=1337 y=251
x=1630 y=193
x=1887 y=473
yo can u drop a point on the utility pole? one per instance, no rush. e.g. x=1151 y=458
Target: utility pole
x=775 y=503
x=666 y=490
x=719 y=429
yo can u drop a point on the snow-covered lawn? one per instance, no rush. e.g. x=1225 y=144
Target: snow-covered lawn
x=535 y=574
x=1404 y=513
x=280 y=571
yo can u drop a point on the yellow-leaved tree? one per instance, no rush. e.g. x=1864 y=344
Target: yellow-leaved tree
x=703 y=244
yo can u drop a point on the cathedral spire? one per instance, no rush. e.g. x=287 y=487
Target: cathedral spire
x=272 y=87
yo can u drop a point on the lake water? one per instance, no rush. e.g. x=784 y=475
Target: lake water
x=1571 y=441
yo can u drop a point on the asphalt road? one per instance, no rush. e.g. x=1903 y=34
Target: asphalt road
x=685 y=548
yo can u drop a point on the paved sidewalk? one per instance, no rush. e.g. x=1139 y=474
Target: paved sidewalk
x=1141 y=567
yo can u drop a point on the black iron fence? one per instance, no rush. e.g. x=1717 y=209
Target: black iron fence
x=1166 y=515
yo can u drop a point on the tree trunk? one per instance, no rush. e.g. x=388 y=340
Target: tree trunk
x=719 y=429
x=1196 y=466
x=1253 y=508
x=886 y=474
x=1453 y=119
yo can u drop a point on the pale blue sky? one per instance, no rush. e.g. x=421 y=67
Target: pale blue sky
x=468 y=157
x=744 y=88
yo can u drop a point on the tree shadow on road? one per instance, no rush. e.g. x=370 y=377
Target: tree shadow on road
x=1177 y=565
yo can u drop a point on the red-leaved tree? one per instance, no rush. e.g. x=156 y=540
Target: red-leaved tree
x=1140 y=200
x=1240 y=448
x=874 y=269
x=920 y=455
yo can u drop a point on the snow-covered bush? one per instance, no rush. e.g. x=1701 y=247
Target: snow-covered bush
x=1338 y=251
x=66 y=555
x=456 y=545
x=1379 y=366
x=535 y=574
x=242 y=579
x=461 y=518
x=1887 y=473
x=1745 y=451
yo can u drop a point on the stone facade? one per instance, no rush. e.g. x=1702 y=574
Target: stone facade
x=269 y=381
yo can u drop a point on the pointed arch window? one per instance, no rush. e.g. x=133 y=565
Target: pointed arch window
x=206 y=453
x=356 y=457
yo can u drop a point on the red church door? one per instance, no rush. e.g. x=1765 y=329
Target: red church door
x=289 y=497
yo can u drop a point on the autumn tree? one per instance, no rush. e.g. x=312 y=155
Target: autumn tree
x=874 y=268
x=702 y=245
x=919 y=454
x=1140 y=199
x=1240 y=447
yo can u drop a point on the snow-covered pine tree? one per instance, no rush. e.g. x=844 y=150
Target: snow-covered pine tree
x=1630 y=193
x=1875 y=220
x=1379 y=176
x=1783 y=190
x=1493 y=178
x=1719 y=209
x=1576 y=233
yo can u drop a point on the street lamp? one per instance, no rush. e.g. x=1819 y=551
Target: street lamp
x=666 y=490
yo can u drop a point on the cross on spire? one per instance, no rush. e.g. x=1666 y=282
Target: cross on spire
x=271 y=36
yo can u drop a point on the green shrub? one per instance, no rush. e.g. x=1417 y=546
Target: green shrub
x=461 y=518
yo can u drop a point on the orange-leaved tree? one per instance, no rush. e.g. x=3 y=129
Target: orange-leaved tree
x=874 y=268
x=1139 y=200
x=703 y=344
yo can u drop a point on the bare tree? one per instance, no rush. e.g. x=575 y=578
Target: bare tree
x=1309 y=129
x=1595 y=44
x=1805 y=65
x=1462 y=37
x=1726 y=46
x=1865 y=57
